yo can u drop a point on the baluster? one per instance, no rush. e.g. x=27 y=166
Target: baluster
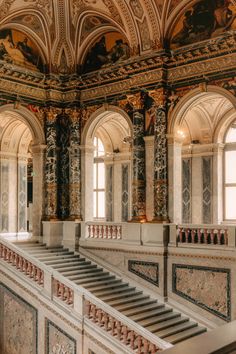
x=192 y=235
x=118 y=329
x=226 y=237
x=87 y=308
x=139 y=344
x=99 y=317
x=71 y=297
x=105 y=320
x=119 y=230
x=89 y=231
x=93 y=231
x=132 y=339
x=145 y=346
x=199 y=235
x=212 y=236
x=93 y=313
x=125 y=334
x=152 y=348
x=205 y=235
x=102 y=231
x=112 y=321
x=218 y=237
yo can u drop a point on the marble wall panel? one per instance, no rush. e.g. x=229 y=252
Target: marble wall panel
x=22 y=198
x=58 y=341
x=125 y=192
x=207 y=190
x=206 y=287
x=146 y=270
x=186 y=190
x=18 y=324
x=4 y=189
x=109 y=193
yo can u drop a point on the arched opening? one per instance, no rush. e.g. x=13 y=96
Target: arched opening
x=198 y=125
x=20 y=173
x=106 y=167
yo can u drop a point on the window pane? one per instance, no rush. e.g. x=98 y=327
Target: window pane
x=94 y=204
x=101 y=204
x=101 y=175
x=94 y=176
x=230 y=169
x=230 y=198
x=100 y=148
x=231 y=135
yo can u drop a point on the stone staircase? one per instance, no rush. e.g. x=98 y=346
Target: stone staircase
x=156 y=317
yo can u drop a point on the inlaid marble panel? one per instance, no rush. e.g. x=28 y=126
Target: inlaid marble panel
x=4 y=188
x=22 y=198
x=206 y=287
x=125 y=192
x=146 y=270
x=18 y=324
x=186 y=190
x=207 y=190
x=58 y=341
x=109 y=192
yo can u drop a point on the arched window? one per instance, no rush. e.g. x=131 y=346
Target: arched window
x=230 y=174
x=98 y=180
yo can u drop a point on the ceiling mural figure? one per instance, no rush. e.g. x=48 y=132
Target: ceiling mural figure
x=16 y=48
x=109 y=49
x=204 y=20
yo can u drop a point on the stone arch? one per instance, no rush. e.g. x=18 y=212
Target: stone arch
x=113 y=126
x=26 y=140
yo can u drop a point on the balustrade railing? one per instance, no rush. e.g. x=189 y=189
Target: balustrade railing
x=21 y=263
x=202 y=235
x=104 y=231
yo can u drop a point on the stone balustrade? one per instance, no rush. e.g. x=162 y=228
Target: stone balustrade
x=21 y=263
x=117 y=329
x=63 y=292
x=207 y=235
x=106 y=230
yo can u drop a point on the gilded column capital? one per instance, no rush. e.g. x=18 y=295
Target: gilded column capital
x=74 y=113
x=159 y=96
x=135 y=100
x=51 y=114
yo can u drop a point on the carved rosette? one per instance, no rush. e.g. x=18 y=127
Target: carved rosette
x=138 y=185
x=51 y=165
x=160 y=157
x=75 y=165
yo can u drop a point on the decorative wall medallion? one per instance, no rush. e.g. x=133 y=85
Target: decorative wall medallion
x=146 y=270
x=58 y=341
x=206 y=287
x=18 y=324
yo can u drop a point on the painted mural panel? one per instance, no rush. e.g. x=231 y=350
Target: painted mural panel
x=206 y=19
x=17 y=48
x=18 y=324
x=58 y=341
x=109 y=49
x=206 y=287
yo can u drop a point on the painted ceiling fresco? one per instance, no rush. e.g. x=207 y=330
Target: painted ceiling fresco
x=16 y=48
x=67 y=30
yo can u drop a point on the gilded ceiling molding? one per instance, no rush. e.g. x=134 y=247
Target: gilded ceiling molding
x=5 y=8
x=45 y=6
x=153 y=19
x=129 y=24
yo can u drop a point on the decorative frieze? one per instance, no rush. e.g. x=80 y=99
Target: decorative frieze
x=208 y=288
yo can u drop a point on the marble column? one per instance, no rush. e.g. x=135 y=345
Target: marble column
x=50 y=211
x=38 y=152
x=217 y=183
x=87 y=157
x=149 y=151
x=75 y=167
x=160 y=182
x=139 y=175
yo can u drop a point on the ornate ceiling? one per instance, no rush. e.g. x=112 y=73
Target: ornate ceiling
x=64 y=29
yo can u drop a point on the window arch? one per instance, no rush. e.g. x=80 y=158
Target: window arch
x=98 y=179
x=230 y=173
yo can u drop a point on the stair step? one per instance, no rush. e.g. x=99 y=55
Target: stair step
x=49 y=252
x=128 y=299
x=179 y=337
x=92 y=276
x=159 y=318
x=56 y=256
x=166 y=324
x=86 y=274
x=73 y=269
x=91 y=283
x=115 y=284
x=59 y=261
x=95 y=279
x=176 y=329
x=136 y=305
x=155 y=309
x=114 y=291
x=67 y=264
x=126 y=294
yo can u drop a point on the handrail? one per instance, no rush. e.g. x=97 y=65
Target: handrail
x=112 y=321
